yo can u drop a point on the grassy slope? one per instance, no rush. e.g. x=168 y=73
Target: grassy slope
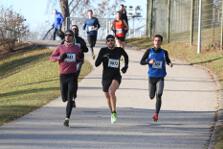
x=28 y=81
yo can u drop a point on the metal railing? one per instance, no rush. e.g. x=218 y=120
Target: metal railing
x=137 y=27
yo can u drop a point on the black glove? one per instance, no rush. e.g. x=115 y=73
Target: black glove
x=63 y=56
x=124 y=69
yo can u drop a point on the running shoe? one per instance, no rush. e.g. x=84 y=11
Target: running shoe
x=66 y=122
x=113 y=117
x=155 y=117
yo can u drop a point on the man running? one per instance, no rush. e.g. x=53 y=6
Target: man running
x=156 y=58
x=57 y=25
x=91 y=25
x=82 y=44
x=67 y=55
x=120 y=28
x=111 y=76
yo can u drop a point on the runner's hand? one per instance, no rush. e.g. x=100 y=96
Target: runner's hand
x=124 y=69
x=63 y=56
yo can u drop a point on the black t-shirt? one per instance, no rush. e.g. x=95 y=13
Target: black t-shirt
x=111 y=61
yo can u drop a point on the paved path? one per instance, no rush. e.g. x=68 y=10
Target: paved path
x=186 y=118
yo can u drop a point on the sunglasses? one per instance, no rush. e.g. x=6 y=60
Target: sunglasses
x=68 y=35
x=109 y=40
x=74 y=28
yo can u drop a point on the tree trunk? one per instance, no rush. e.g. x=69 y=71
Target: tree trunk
x=66 y=13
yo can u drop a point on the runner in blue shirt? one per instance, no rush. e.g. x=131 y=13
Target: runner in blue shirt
x=57 y=25
x=156 y=58
x=91 y=25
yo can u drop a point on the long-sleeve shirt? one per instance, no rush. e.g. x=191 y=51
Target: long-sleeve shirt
x=160 y=57
x=91 y=25
x=111 y=61
x=68 y=65
x=58 y=21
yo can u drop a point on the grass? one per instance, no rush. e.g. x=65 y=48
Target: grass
x=210 y=58
x=28 y=81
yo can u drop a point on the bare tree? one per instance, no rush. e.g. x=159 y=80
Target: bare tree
x=12 y=28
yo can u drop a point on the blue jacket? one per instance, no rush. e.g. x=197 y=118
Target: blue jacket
x=58 y=20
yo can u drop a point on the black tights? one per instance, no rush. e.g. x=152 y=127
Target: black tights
x=68 y=87
x=156 y=86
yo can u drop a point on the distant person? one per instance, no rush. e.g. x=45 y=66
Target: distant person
x=123 y=13
x=119 y=27
x=111 y=77
x=156 y=58
x=91 y=25
x=82 y=44
x=67 y=55
x=57 y=25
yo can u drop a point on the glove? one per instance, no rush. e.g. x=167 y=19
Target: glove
x=124 y=69
x=63 y=56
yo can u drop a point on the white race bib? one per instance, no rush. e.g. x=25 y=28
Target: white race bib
x=114 y=63
x=119 y=31
x=157 y=64
x=91 y=28
x=71 y=57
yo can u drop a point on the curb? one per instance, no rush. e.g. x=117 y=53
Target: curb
x=218 y=119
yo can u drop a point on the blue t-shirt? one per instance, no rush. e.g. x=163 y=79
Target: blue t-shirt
x=91 y=26
x=158 y=69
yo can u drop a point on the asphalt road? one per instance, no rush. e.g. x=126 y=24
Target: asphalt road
x=186 y=118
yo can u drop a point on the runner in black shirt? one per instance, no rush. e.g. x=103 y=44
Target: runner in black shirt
x=111 y=77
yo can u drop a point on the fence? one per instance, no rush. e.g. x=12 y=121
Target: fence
x=137 y=27
x=184 y=22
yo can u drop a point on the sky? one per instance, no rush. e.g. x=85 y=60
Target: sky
x=39 y=12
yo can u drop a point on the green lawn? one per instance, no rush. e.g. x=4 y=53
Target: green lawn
x=28 y=81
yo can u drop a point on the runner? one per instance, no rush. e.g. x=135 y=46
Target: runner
x=82 y=44
x=91 y=25
x=156 y=58
x=123 y=13
x=67 y=55
x=57 y=25
x=120 y=28
x=111 y=77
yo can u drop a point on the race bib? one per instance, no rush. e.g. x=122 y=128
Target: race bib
x=157 y=64
x=113 y=63
x=71 y=57
x=119 y=31
x=91 y=28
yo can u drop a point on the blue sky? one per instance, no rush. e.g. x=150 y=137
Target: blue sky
x=38 y=12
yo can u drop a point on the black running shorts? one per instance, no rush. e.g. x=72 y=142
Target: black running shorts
x=107 y=82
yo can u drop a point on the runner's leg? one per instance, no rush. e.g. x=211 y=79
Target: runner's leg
x=160 y=87
x=112 y=89
x=108 y=100
x=152 y=88
x=63 y=88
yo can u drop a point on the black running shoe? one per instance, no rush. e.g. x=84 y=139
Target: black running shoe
x=66 y=123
